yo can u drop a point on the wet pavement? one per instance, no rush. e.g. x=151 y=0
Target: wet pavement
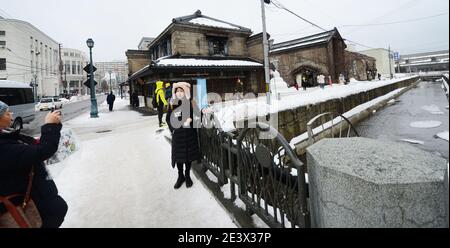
x=423 y=106
x=69 y=111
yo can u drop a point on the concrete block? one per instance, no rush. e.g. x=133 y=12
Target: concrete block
x=364 y=183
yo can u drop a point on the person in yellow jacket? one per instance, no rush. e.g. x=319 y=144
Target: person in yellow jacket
x=160 y=94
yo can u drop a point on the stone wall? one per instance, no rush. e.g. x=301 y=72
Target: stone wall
x=137 y=60
x=292 y=123
x=290 y=61
x=193 y=41
x=357 y=66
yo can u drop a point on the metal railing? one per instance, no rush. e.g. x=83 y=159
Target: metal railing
x=269 y=177
x=330 y=125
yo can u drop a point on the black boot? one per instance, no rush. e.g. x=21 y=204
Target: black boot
x=189 y=182
x=181 y=177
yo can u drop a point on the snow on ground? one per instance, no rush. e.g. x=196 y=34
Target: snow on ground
x=443 y=135
x=426 y=124
x=124 y=178
x=228 y=113
x=433 y=109
x=348 y=114
x=417 y=142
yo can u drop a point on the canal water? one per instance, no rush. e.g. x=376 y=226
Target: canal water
x=414 y=118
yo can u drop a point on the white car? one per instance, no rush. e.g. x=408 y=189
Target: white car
x=50 y=104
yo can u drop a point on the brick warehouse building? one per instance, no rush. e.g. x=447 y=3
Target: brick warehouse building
x=324 y=53
x=198 y=46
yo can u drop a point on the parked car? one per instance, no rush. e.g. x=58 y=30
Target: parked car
x=50 y=103
x=19 y=96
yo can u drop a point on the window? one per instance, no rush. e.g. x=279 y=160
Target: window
x=2 y=43
x=66 y=54
x=14 y=97
x=71 y=55
x=2 y=33
x=67 y=67
x=218 y=46
x=74 y=68
x=2 y=64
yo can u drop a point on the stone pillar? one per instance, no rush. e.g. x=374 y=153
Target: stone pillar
x=446 y=194
x=364 y=183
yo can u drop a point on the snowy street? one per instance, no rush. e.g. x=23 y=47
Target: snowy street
x=124 y=178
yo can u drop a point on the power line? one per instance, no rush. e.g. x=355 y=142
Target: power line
x=281 y=6
x=398 y=22
x=14 y=24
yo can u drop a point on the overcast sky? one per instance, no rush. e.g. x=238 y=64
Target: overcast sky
x=117 y=26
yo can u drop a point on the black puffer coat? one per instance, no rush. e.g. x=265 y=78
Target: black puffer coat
x=185 y=146
x=18 y=155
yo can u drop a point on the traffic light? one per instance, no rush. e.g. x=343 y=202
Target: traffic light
x=88 y=82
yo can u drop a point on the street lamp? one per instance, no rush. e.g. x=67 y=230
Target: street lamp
x=94 y=108
x=110 y=84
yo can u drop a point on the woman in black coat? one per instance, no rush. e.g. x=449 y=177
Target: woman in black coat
x=19 y=155
x=183 y=114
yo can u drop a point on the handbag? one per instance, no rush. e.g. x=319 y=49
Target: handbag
x=25 y=215
x=68 y=145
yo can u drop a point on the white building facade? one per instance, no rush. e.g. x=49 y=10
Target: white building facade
x=385 y=63
x=29 y=55
x=73 y=75
x=119 y=73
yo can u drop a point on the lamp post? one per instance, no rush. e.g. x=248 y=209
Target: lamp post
x=110 y=84
x=94 y=109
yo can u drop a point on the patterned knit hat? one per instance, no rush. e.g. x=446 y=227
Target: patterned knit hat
x=3 y=108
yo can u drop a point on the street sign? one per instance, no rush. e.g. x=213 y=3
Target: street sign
x=88 y=69
x=88 y=83
x=396 y=56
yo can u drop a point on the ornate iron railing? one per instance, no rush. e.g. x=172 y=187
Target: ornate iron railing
x=270 y=179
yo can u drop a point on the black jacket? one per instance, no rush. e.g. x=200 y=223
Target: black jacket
x=110 y=99
x=18 y=155
x=185 y=146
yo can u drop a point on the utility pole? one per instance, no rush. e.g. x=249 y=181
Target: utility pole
x=61 y=68
x=266 y=52
x=390 y=63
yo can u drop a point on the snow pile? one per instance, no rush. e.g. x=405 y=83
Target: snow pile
x=212 y=23
x=229 y=112
x=426 y=124
x=443 y=135
x=416 y=142
x=124 y=178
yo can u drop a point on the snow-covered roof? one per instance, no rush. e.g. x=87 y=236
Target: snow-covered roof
x=194 y=62
x=316 y=39
x=13 y=84
x=170 y=62
x=199 y=19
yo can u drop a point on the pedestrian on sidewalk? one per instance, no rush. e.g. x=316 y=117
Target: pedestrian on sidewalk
x=135 y=100
x=184 y=113
x=22 y=158
x=161 y=103
x=321 y=81
x=110 y=100
x=168 y=91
